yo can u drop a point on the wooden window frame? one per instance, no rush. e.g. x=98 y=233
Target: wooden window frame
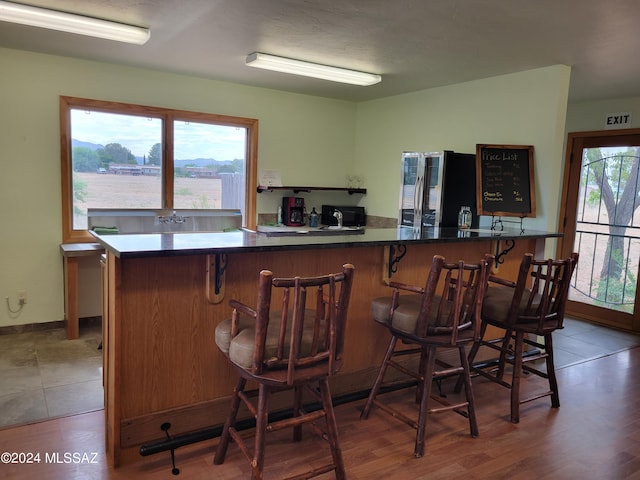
x=69 y=235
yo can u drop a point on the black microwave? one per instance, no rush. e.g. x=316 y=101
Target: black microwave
x=351 y=216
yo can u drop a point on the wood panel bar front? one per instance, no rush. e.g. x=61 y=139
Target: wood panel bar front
x=162 y=364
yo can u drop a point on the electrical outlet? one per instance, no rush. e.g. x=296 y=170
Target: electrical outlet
x=22 y=297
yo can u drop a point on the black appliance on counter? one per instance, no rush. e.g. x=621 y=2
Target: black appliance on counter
x=434 y=187
x=351 y=216
x=293 y=211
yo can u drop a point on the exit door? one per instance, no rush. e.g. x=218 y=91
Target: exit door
x=600 y=219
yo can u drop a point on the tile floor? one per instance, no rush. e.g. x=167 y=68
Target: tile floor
x=580 y=341
x=43 y=375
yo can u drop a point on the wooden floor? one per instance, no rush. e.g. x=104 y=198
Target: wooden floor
x=595 y=434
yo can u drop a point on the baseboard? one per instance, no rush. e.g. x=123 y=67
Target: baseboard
x=38 y=327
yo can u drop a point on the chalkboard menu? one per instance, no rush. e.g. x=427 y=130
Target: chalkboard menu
x=504 y=180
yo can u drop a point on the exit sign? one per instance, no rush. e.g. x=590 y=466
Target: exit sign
x=617 y=120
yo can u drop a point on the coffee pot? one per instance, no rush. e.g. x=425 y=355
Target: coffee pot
x=293 y=211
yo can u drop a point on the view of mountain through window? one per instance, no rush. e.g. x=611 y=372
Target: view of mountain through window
x=118 y=162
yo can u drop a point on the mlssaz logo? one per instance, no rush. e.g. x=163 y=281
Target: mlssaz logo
x=71 y=457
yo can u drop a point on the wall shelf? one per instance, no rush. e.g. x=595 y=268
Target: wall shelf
x=350 y=191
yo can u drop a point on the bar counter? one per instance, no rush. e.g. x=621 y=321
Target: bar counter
x=172 y=244
x=164 y=294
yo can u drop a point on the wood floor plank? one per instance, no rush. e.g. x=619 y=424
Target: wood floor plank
x=595 y=434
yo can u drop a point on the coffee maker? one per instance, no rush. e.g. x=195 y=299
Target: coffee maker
x=293 y=211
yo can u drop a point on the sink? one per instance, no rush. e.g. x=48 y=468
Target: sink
x=149 y=220
x=281 y=231
x=336 y=228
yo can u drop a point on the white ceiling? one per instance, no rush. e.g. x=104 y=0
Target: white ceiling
x=413 y=44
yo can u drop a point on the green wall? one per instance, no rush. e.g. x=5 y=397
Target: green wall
x=310 y=140
x=526 y=108
x=590 y=116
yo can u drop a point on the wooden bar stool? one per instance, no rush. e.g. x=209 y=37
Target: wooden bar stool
x=296 y=348
x=530 y=308
x=443 y=314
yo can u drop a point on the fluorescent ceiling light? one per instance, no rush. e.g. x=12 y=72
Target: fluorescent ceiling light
x=298 y=67
x=68 y=22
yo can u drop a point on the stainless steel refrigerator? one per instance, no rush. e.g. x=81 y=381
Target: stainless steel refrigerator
x=434 y=186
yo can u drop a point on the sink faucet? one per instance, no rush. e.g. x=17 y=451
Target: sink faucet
x=338 y=214
x=173 y=218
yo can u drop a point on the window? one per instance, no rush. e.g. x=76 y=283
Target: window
x=117 y=155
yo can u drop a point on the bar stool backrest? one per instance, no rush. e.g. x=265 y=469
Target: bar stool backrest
x=541 y=292
x=305 y=336
x=451 y=299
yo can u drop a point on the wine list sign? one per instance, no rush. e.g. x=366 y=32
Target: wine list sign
x=505 y=180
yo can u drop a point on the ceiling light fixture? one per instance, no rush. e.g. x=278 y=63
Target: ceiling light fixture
x=298 y=67
x=68 y=22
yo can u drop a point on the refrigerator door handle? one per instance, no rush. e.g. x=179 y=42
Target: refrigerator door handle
x=417 y=202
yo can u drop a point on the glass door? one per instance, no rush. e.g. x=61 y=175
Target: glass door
x=601 y=220
x=412 y=176
x=432 y=198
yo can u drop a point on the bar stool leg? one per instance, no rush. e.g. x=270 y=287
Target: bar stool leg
x=422 y=365
x=468 y=392
x=551 y=371
x=332 y=429
x=297 y=406
x=221 y=450
x=473 y=351
x=517 y=373
x=262 y=418
x=503 y=353
x=378 y=383
x=427 y=381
